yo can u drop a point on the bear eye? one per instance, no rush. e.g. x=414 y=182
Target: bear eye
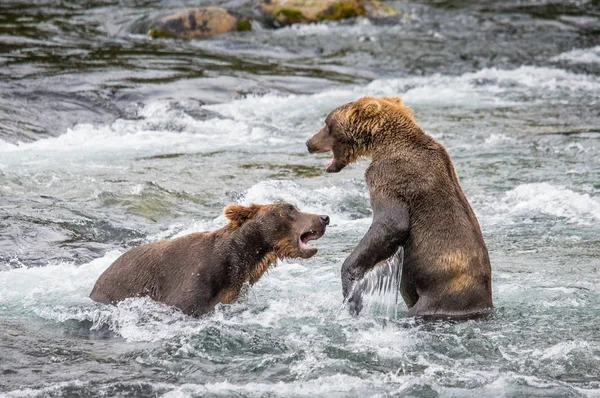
x=291 y=211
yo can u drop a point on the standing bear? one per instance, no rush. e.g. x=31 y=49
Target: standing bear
x=417 y=204
x=195 y=272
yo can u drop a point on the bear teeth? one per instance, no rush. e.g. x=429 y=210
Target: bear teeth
x=308 y=236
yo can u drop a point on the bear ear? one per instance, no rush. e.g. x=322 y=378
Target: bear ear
x=364 y=108
x=404 y=109
x=239 y=214
x=371 y=106
x=395 y=100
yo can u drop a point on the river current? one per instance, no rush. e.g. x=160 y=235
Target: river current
x=109 y=139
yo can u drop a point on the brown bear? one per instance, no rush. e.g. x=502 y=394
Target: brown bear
x=417 y=204
x=196 y=271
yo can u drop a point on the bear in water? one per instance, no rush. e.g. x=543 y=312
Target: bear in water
x=417 y=204
x=196 y=271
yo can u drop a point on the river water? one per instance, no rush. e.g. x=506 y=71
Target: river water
x=111 y=139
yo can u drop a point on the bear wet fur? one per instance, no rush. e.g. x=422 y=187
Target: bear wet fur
x=417 y=203
x=197 y=271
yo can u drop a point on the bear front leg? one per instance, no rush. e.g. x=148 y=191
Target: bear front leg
x=387 y=233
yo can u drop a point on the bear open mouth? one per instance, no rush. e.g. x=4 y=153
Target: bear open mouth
x=307 y=237
x=334 y=165
x=330 y=163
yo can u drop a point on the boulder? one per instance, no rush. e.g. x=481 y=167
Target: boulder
x=288 y=12
x=197 y=23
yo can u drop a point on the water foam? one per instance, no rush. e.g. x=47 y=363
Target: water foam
x=36 y=290
x=545 y=198
x=564 y=349
x=322 y=386
x=256 y=120
x=480 y=383
x=163 y=124
x=45 y=391
x=487 y=88
x=580 y=56
x=490 y=87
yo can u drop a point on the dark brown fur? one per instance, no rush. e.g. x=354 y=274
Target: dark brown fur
x=417 y=203
x=199 y=270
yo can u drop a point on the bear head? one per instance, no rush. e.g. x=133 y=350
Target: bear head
x=282 y=225
x=351 y=130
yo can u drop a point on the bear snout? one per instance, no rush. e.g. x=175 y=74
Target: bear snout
x=320 y=142
x=316 y=147
x=311 y=147
x=324 y=219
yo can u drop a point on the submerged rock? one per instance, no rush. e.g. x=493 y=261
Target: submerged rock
x=197 y=23
x=288 y=12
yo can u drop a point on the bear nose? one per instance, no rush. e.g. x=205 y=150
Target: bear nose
x=325 y=219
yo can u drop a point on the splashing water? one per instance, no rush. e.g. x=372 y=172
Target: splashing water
x=380 y=287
